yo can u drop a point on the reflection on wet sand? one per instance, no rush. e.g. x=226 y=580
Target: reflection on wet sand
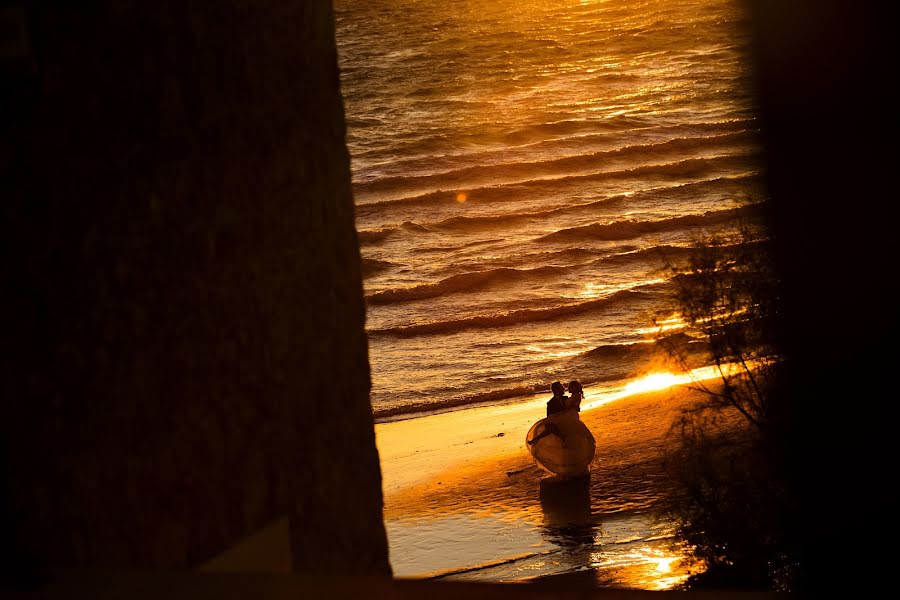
x=592 y=554
x=568 y=522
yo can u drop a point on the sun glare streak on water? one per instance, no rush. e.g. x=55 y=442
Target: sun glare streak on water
x=653 y=382
x=659 y=381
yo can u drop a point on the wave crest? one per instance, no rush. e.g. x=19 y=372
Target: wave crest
x=517 y=317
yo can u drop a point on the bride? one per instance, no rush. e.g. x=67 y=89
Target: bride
x=576 y=394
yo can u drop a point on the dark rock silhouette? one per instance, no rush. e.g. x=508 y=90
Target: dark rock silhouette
x=183 y=324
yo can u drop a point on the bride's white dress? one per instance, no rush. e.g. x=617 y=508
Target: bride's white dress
x=568 y=455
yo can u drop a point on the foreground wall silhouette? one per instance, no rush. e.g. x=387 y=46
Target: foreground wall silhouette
x=184 y=355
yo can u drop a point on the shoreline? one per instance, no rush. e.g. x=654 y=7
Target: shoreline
x=602 y=385
x=424 y=445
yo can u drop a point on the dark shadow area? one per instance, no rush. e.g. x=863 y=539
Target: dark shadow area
x=238 y=586
x=770 y=501
x=821 y=76
x=179 y=263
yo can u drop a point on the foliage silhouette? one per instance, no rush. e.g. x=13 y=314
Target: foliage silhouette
x=733 y=501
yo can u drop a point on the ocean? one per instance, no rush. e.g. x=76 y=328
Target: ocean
x=524 y=174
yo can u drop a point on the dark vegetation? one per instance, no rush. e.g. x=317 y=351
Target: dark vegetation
x=735 y=497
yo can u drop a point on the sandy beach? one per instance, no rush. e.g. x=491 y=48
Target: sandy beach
x=464 y=500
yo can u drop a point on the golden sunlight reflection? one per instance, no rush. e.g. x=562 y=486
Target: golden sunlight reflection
x=653 y=382
x=664 y=563
x=591 y=291
x=649 y=567
x=564 y=349
x=658 y=381
x=668 y=324
x=677 y=322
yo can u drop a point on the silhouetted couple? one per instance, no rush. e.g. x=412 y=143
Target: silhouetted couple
x=557 y=404
x=560 y=402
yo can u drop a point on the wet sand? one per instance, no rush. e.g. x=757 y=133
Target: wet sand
x=464 y=500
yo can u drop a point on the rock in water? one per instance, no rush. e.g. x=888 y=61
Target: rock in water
x=567 y=449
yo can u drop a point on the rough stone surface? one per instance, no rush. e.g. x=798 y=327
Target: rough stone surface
x=183 y=325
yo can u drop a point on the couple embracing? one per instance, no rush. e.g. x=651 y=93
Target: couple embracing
x=560 y=402
x=561 y=443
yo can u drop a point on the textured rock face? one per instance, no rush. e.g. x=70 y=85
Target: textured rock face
x=184 y=353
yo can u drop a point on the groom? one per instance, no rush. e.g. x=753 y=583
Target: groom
x=558 y=402
x=555 y=405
